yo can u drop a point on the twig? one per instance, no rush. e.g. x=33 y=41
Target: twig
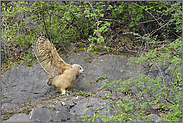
x=44 y=24
x=147 y=12
x=114 y=35
x=110 y=20
x=154 y=31
x=149 y=21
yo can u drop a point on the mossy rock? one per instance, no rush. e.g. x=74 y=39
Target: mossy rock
x=86 y=85
x=81 y=49
x=29 y=65
x=118 y=53
x=6 y=62
x=3 y=97
x=2 y=81
x=81 y=45
x=18 y=62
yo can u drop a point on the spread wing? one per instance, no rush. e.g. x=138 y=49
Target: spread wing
x=48 y=57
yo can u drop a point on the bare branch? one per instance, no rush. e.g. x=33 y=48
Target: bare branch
x=149 y=21
x=154 y=31
x=147 y=12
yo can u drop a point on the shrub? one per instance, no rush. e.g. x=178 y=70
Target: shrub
x=149 y=91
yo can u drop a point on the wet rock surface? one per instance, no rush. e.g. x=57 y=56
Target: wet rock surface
x=25 y=86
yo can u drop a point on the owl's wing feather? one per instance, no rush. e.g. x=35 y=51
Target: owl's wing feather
x=48 y=57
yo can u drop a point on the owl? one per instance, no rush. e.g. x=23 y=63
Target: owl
x=62 y=75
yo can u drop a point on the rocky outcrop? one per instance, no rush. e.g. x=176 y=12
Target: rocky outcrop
x=25 y=85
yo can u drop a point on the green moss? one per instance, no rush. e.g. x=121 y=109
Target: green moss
x=107 y=98
x=7 y=62
x=57 y=91
x=147 y=113
x=8 y=68
x=10 y=101
x=2 y=64
x=118 y=53
x=4 y=97
x=81 y=45
x=26 y=111
x=22 y=111
x=115 y=53
x=2 y=71
x=2 y=81
x=99 y=50
x=81 y=49
x=104 y=53
x=86 y=85
x=30 y=107
x=100 y=78
x=29 y=65
x=18 y=62
x=75 y=95
x=122 y=54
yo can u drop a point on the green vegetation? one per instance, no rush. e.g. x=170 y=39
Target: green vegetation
x=151 y=91
x=98 y=24
x=150 y=28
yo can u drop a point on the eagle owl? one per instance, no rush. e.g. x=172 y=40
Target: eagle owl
x=62 y=75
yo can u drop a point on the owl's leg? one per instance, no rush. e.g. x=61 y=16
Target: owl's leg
x=62 y=90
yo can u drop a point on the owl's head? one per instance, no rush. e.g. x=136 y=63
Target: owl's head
x=79 y=69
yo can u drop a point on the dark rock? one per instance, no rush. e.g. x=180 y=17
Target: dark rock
x=25 y=84
x=153 y=117
x=79 y=108
x=29 y=83
x=154 y=109
x=112 y=67
x=103 y=92
x=8 y=106
x=19 y=118
x=60 y=115
x=40 y=115
x=56 y=113
x=74 y=99
x=88 y=107
x=113 y=94
x=149 y=118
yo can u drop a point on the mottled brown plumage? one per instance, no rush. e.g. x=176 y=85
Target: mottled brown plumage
x=62 y=75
